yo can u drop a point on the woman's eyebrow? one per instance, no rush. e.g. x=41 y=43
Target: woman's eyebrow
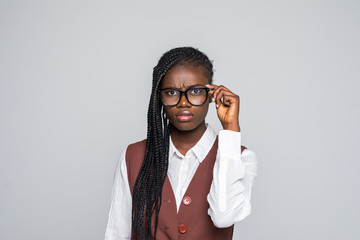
x=187 y=87
x=196 y=85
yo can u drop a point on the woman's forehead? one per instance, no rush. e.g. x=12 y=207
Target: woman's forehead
x=184 y=76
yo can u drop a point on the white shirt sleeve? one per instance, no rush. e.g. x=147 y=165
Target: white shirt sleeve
x=233 y=176
x=119 y=221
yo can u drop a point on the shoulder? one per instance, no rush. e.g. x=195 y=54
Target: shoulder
x=141 y=142
x=135 y=151
x=137 y=145
x=134 y=157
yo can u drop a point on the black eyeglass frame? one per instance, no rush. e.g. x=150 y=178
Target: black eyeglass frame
x=185 y=93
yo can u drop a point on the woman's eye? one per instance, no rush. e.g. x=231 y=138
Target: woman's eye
x=171 y=92
x=195 y=91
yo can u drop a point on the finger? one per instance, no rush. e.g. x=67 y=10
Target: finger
x=218 y=97
x=227 y=97
x=211 y=86
x=214 y=91
x=221 y=87
x=230 y=99
x=221 y=93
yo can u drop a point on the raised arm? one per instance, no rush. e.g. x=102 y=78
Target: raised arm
x=233 y=177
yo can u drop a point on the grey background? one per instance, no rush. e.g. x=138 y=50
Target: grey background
x=75 y=81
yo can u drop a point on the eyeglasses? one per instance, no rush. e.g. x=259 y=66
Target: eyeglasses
x=196 y=96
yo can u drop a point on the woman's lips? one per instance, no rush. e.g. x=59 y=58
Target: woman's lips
x=184 y=116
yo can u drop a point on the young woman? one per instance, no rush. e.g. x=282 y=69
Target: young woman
x=183 y=181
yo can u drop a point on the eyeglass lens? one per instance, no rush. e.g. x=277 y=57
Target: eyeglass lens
x=195 y=96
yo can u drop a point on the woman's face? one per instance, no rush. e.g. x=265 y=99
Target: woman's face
x=184 y=116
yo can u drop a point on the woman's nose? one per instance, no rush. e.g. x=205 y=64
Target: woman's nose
x=183 y=102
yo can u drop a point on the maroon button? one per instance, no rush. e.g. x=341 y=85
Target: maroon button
x=182 y=228
x=187 y=201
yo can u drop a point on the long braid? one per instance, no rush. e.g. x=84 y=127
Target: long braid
x=149 y=183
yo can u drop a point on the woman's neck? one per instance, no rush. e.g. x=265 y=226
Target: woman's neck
x=185 y=140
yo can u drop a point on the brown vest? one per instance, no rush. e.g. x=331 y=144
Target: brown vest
x=192 y=221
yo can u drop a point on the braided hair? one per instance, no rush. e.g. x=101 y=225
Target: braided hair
x=149 y=183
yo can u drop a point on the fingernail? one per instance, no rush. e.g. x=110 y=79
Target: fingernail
x=207 y=84
x=217 y=106
x=213 y=99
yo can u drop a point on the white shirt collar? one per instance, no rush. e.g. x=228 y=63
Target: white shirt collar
x=201 y=148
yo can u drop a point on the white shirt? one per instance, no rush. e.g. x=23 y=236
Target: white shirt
x=230 y=191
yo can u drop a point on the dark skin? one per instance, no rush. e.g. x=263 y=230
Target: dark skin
x=186 y=133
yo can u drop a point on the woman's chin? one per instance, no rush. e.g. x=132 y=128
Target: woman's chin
x=187 y=126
